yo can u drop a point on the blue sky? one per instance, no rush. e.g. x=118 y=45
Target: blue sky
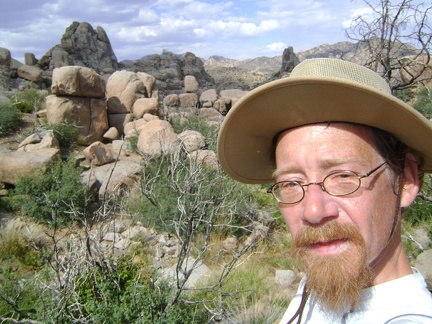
x=234 y=29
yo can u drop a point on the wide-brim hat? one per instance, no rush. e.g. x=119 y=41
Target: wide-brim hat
x=318 y=90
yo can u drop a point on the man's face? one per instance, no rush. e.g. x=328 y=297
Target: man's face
x=337 y=237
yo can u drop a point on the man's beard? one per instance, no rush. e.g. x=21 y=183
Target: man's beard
x=335 y=281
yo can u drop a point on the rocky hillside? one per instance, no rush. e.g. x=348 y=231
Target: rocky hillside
x=245 y=75
x=249 y=73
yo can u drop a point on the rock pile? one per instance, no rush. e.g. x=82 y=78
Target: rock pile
x=79 y=99
x=83 y=46
x=107 y=114
x=169 y=69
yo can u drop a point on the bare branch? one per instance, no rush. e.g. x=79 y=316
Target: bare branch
x=397 y=41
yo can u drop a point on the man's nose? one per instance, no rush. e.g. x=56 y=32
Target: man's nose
x=318 y=205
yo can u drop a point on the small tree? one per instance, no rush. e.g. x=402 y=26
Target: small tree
x=194 y=202
x=397 y=39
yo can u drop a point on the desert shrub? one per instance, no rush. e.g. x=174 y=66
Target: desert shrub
x=65 y=133
x=133 y=142
x=57 y=197
x=423 y=102
x=19 y=260
x=122 y=295
x=404 y=95
x=5 y=204
x=17 y=251
x=21 y=250
x=47 y=82
x=420 y=212
x=200 y=125
x=10 y=118
x=119 y=293
x=173 y=189
x=28 y=101
x=19 y=296
x=249 y=296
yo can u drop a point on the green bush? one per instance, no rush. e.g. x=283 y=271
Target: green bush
x=123 y=295
x=57 y=197
x=5 y=204
x=65 y=133
x=28 y=101
x=10 y=118
x=424 y=102
x=21 y=250
x=200 y=125
x=404 y=95
x=120 y=292
x=174 y=189
x=19 y=296
x=133 y=142
x=421 y=210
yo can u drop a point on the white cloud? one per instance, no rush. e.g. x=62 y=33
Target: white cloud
x=366 y=13
x=202 y=32
x=136 y=34
x=192 y=8
x=176 y=24
x=243 y=28
x=269 y=25
x=276 y=47
x=146 y=16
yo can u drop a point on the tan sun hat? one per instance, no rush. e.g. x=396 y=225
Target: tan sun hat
x=318 y=90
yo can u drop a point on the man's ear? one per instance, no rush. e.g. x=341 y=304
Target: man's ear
x=411 y=182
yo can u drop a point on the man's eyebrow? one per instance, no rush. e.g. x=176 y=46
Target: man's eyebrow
x=278 y=172
x=325 y=164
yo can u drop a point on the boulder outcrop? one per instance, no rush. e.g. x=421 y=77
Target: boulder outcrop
x=156 y=138
x=77 y=81
x=16 y=164
x=30 y=73
x=289 y=60
x=83 y=46
x=78 y=99
x=169 y=69
x=130 y=96
x=5 y=68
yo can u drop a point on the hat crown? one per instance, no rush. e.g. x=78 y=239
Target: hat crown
x=336 y=68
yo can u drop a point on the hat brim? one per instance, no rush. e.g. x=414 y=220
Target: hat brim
x=245 y=141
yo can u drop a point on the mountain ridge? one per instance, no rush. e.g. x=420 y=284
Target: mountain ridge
x=273 y=64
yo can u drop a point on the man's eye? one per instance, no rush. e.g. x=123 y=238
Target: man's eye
x=343 y=175
x=289 y=184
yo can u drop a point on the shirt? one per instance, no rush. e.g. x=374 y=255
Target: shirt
x=403 y=300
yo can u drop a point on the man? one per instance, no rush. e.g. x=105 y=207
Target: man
x=345 y=157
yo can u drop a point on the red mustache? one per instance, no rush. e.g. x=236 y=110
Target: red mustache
x=327 y=232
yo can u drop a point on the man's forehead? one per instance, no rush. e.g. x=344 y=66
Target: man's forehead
x=342 y=128
x=333 y=143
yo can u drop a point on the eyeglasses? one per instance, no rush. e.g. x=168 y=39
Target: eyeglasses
x=338 y=183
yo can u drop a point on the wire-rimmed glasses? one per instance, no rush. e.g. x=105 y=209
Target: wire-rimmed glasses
x=337 y=183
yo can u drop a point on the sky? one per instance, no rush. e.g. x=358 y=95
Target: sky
x=233 y=29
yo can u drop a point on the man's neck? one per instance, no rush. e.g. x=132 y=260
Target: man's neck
x=392 y=262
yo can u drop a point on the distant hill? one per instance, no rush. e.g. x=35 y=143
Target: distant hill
x=249 y=73
x=271 y=65
x=220 y=61
x=246 y=75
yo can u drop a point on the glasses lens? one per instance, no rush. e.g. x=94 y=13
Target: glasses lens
x=288 y=192
x=341 y=183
